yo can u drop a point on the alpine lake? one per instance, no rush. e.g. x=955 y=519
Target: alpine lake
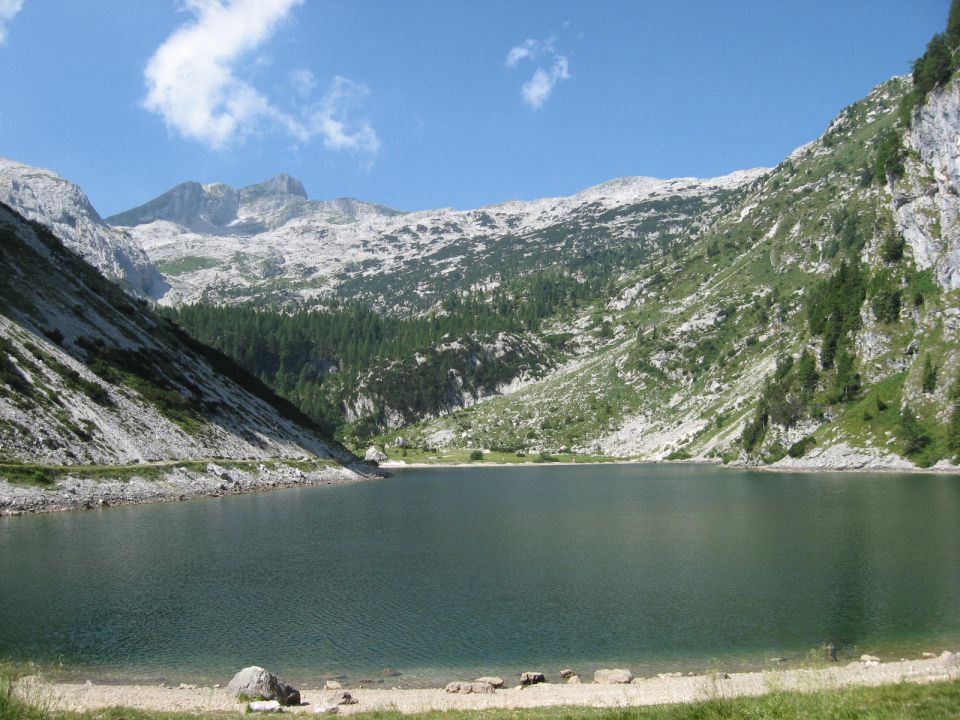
x=442 y=574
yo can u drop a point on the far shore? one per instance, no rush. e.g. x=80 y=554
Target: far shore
x=885 y=469
x=665 y=689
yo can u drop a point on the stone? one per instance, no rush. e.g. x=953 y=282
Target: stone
x=497 y=682
x=928 y=655
x=326 y=710
x=532 y=678
x=332 y=685
x=343 y=698
x=869 y=658
x=265 y=706
x=256 y=682
x=566 y=674
x=573 y=680
x=375 y=455
x=612 y=677
x=465 y=688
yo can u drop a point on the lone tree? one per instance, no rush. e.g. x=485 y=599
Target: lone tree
x=928 y=381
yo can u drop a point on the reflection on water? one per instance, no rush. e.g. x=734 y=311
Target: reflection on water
x=456 y=572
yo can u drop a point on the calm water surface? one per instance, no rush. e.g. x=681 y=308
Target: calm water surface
x=447 y=573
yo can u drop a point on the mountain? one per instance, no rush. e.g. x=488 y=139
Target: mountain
x=813 y=323
x=267 y=243
x=46 y=197
x=94 y=385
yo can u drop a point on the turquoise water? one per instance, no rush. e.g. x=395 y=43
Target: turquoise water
x=449 y=573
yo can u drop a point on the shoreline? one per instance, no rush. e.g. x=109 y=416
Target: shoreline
x=664 y=689
x=218 y=478
x=886 y=469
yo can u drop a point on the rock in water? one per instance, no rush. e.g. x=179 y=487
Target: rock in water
x=332 y=685
x=375 y=454
x=265 y=706
x=567 y=674
x=256 y=682
x=612 y=677
x=497 y=682
x=532 y=678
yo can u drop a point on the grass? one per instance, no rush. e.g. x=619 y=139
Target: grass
x=890 y=702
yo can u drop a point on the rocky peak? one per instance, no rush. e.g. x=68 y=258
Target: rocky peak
x=60 y=205
x=281 y=184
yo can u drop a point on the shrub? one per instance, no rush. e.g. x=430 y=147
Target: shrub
x=476 y=455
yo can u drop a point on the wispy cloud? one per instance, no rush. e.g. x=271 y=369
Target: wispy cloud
x=8 y=8
x=552 y=67
x=194 y=82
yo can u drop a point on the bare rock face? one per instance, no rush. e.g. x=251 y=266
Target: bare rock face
x=927 y=198
x=612 y=677
x=256 y=682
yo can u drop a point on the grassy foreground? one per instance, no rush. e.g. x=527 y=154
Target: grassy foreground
x=890 y=702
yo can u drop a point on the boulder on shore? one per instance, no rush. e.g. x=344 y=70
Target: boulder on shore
x=375 y=454
x=342 y=698
x=256 y=682
x=567 y=674
x=497 y=682
x=465 y=688
x=612 y=677
x=532 y=678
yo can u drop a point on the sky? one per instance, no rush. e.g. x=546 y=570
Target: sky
x=433 y=103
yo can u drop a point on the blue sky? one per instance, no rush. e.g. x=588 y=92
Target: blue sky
x=432 y=103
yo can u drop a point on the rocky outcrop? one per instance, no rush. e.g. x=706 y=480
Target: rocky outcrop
x=375 y=455
x=927 y=198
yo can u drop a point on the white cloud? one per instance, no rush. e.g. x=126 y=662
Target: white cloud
x=303 y=82
x=194 y=82
x=8 y=8
x=536 y=91
x=330 y=119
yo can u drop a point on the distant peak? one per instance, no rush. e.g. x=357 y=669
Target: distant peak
x=279 y=184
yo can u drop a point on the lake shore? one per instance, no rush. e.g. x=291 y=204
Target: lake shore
x=652 y=691
x=181 y=482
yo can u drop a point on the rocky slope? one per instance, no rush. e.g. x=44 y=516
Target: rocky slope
x=44 y=196
x=268 y=242
x=93 y=385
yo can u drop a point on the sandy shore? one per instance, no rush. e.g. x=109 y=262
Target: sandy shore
x=653 y=691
